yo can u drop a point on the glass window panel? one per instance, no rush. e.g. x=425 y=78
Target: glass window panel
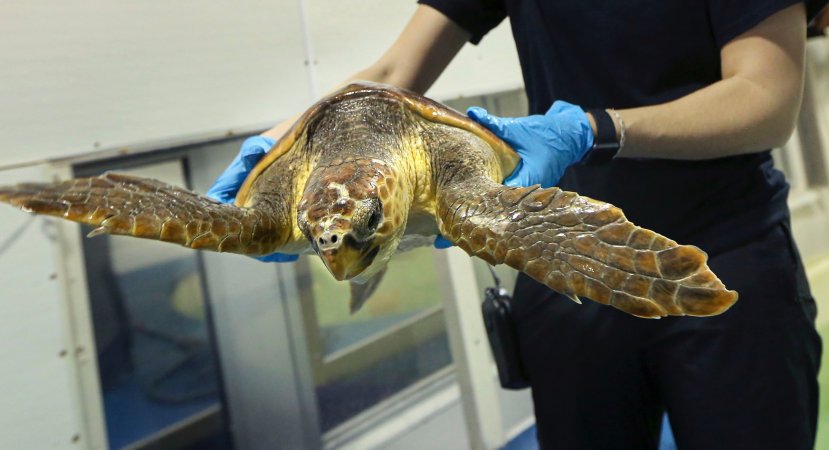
x=404 y=293
x=395 y=340
x=156 y=361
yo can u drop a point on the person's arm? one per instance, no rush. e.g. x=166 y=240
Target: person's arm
x=753 y=107
x=419 y=55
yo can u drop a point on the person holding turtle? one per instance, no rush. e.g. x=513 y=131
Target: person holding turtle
x=667 y=110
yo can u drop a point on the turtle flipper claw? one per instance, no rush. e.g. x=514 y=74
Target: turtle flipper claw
x=581 y=247
x=127 y=205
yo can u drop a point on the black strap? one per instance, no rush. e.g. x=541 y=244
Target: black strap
x=605 y=131
x=503 y=336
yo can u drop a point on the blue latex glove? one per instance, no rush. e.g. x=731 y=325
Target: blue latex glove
x=441 y=242
x=227 y=185
x=547 y=144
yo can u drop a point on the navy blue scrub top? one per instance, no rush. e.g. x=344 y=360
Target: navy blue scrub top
x=623 y=54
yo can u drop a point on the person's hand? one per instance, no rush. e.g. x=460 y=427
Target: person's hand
x=226 y=187
x=547 y=144
x=442 y=243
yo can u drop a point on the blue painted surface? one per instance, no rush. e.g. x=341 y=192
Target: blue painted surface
x=131 y=416
x=524 y=441
x=170 y=372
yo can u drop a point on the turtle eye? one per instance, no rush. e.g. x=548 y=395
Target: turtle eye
x=374 y=219
x=368 y=217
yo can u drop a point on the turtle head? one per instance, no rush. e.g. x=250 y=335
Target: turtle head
x=354 y=223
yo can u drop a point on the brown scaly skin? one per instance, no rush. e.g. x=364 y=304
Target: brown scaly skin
x=128 y=205
x=576 y=245
x=371 y=166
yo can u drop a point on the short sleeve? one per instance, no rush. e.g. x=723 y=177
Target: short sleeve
x=731 y=18
x=477 y=17
x=813 y=7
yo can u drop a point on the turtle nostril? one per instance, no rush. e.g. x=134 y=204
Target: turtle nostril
x=329 y=239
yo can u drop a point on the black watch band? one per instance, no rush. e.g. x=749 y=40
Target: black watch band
x=605 y=131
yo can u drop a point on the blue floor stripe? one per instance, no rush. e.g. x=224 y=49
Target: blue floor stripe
x=524 y=441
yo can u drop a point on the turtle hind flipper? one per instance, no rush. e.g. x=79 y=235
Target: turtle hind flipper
x=361 y=292
x=145 y=208
x=579 y=246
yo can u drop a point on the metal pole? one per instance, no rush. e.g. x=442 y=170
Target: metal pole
x=470 y=351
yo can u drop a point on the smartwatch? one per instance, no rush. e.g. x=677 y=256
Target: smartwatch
x=605 y=139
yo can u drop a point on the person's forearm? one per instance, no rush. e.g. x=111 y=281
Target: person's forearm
x=414 y=61
x=730 y=117
x=421 y=52
x=753 y=108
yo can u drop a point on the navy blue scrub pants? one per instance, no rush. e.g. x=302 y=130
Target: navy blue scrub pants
x=746 y=379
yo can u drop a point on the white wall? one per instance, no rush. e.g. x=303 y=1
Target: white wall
x=44 y=361
x=810 y=206
x=78 y=76
x=84 y=74
x=339 y=50
x=81 y=76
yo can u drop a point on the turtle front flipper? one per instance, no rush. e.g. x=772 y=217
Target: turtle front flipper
x=577 y=245
x=145 y=208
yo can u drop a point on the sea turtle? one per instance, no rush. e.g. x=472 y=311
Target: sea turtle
x=372 y=169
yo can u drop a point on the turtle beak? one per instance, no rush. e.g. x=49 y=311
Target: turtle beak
x=346 y=260
x=343 y=262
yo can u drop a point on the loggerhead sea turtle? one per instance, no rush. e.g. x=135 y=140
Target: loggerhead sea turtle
x=373 y=169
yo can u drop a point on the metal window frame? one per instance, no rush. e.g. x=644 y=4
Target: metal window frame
x=268 y=417
x=71 y=270
x=374 y=348
x=81 y=337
